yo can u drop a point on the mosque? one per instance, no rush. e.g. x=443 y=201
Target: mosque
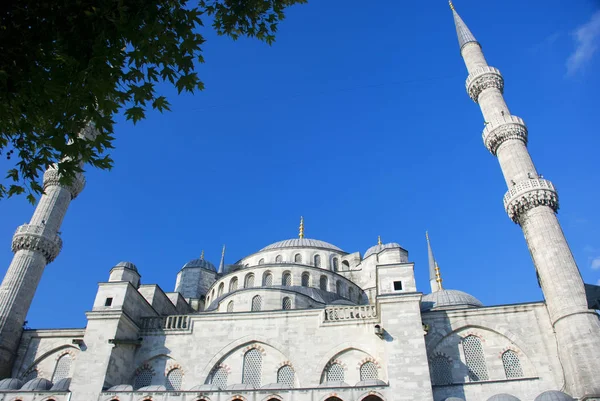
x=304 y=320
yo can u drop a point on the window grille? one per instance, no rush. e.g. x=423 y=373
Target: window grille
x=351 y=294
x=305 y=279
x=335 y=264
x=323 y=283
x=219 y=378
x=368 y=371
x=230 y=306
x=298 y=258
x=256 y=303
x=317 y=260
x=143 y=378
x=286 y=280
x=62 y=369
x=267 y=280
x=441 y=370
x=474 y=358
x=335 y=373
x=252 y=368
x=338 y=288
x=285 y=375
x=233 y=284
x=174 y=379
x=221 y=289
x=278 y=259
x=249 y=282
x=261 y=262
x=512 y=365
x=287 y=303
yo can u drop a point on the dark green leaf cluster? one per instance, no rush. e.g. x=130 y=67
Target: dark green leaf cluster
x=69 y=63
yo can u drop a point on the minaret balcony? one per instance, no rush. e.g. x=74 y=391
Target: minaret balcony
x=37 y=239
x=52 y=178
x=484 y=78
x=501 y=129
x=528 y=194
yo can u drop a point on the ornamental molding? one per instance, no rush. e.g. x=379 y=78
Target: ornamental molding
x=443 y=355
x=33 y=238
x=172 y=366
x=529 y=194
x=509 y=348
x=503 y=129
x=368 y=359
x=471 y=333
x=337 y=362
x=69 y=352
x=484 y=78
x=254 y=346
x=145 y=366
x=52 y=179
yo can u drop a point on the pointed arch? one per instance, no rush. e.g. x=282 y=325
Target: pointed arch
x=62 y=369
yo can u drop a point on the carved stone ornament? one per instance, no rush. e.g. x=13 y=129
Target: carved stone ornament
x=484 y=78
x=501 y=130
x=33 y=238
x=529 y=194
x=52 y=178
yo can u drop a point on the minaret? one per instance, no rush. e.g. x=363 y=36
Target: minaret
x=434 y=282
x=35 y=245
x=532 y=202
x=222 y=264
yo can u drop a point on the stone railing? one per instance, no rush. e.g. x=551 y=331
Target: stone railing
x=166 y=323
x=349 y=313
x=481 y=79
x=501 y=129
x=37 y=239
x=527 y=194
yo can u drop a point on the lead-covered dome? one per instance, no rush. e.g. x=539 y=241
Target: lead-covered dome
x=127 y=265
x=446 y=299
x=380 y=247
x=301 y=243
x=503 y=397
x=553 y=395
x=202 y=263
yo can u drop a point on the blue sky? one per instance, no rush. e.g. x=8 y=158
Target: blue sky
x=357 y=119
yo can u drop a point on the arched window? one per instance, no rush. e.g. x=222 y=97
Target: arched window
x=278 y=259
x=286 y=303
x=512 y=364
x=338 y=288
x=368 y=371
x=286 y=279
x=267 y=279
x=219 y=378
x=305 y=279
x=62 y=369
x=298 y=258
x=252 y=371
x=261 y=261
x=174 y=379
x=230 y=306
x=323 y=283
x=317 y=260
x=335 y=373
x=221 y=289
x=256 y=303
x=474 y=358
x=212 y=294
x=334 y=264
x=249 y=281
x=345 y=265
x=285 y=375
x=143 y=378
x=351 y=294
x=441 y=370
x=233 y=284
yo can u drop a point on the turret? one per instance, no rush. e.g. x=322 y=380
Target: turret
x=125 y=271
x=532 y=202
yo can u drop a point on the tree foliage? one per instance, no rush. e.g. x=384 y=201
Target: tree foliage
x=69 y=63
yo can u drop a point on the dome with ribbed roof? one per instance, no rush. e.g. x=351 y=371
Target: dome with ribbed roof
x=553 y=395
x=127 y=265
x=447 y=299
x=380 y=247
x=301 y=243
x=202 y=263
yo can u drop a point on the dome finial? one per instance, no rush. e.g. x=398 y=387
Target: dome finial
x=222 y=264
x=379 y=240
x=301 y=233
x=451 y=5
x=202 y=255
x=438 y=276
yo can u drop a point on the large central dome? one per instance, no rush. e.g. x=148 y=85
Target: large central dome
x=301 y=243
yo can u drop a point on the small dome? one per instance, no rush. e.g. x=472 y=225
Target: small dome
x=127 y=265
x=203 y=263
x=205 y=387
x=152 y=388
x=240 y=386
x=10 y=384
x=62 y=385
x=371 y=382
x=503 y=397
x=553 y=395
x=276 y=386
x=334 y=384
x=447 y=299
x=378 y=248
x=301 y=243
x=121 y=387
x=38 y=384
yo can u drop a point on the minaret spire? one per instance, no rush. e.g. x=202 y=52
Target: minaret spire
x=464 y=34
x=532 y=202
x=433 y=282
x=301 y=232
x=379 y=240
x=222 y=264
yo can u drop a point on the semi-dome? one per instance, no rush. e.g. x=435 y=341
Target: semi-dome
x=553 y=395
x=38 y=384
x=127 y=265
x=380 y=247
x=203 y=263
x=10 y=384
x=446 y=299
x=503 y=397
x=301 y=243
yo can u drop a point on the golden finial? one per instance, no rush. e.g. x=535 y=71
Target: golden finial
x=451 y=5
x=427 y=236
x=223 y=252
x=379 y=240
x=202 y=255
x=438 y=276
x=301 y=233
